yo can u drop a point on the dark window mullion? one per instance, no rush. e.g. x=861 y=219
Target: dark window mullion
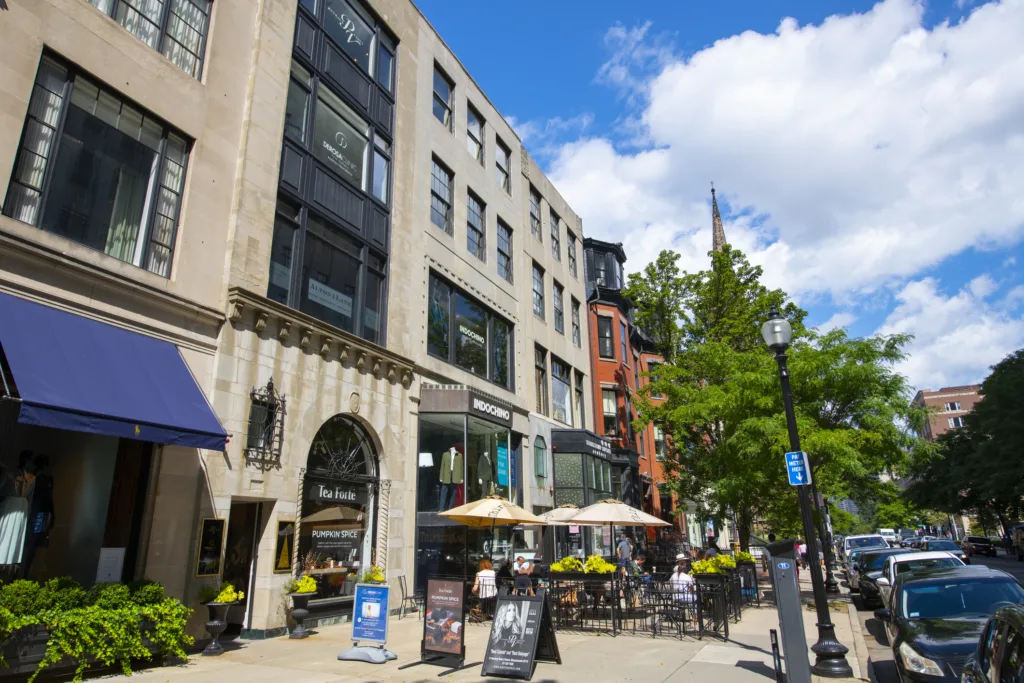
x=451 y=325
x=298 y=255
x=162 y=26
x=360 y=294
x=147 y=229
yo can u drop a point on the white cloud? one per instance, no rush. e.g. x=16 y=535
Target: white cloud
x=872 y=147
x=840 y=319
x=956 y=338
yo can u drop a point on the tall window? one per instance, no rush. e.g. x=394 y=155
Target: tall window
x=538 y=291
x=98 y=170
x=659 y=441
x=503 y=164
x=535 y=214
x=326 y=272
x=622 y=341
x=581 y=411
x=600 y=272
x=605 y=347
x=950 y=407
x=443 y=88
x=576 y=341
x=652 y=372
x=179 y=33
x=475 y=227
x=956 y=422
x=504 y=250
x=636 y=371
x=540 y=457
x=467 y=334
x=441 y=197
x=561 y=391
x=475 y=134
x=609 y=405
x=571 y=249
x=540 y=361
x=556 y=243
x=558 y=294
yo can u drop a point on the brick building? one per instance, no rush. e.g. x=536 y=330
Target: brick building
x=947 y=408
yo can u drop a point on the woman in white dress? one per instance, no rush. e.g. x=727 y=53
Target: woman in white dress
x=14 y=512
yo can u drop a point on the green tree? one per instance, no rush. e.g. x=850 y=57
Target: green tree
x=658 y=295
x=997 y=425
x=723 y=405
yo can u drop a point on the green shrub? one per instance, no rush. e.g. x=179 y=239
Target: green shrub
x=596 y=564
x=707 y=567
x=744 y=557
x=22 y=598
x=304 y=584
x=109 y=595
x=568 y=564
x=62 y=593
x=146 y=592
x=724 y=561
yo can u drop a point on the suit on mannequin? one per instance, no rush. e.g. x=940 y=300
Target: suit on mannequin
x=452 y=475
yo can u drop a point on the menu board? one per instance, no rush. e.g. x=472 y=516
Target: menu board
x=443 y=626
x=521 y=635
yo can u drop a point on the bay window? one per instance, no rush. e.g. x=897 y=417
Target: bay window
x=468 y=335
x=97 y=169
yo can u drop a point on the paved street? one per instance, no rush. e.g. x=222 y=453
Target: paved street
x=881 y=666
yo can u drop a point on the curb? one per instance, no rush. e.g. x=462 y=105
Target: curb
x=860 y=646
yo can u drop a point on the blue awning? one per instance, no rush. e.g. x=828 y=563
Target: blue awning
x=80 y=374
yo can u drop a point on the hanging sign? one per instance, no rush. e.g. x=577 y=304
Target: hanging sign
x=370 y=613
x=522 y=634
x=502 y=465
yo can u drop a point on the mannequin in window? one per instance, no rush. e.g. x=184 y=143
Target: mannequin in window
x=452 y=474
x=14 y=512
x=485 y=474
x=41 y=514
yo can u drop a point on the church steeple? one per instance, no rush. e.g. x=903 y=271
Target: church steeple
x=717 y=231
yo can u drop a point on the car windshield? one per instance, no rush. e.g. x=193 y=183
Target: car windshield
x=980 y=540
x=930 y=563
x=868 y=542
x=942 y=545
x=966 y=598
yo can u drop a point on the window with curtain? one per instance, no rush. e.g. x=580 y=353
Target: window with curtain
x=99 y=170
x=622 y=342
x=571 y=250
x=504 y=251
x=538 y=291
x=475 y=227
x=175 y=28
x=659 y=441
x=443 y=88
x=441 y=181
x=609 y=405
x=556 y=242
x=540 y=457
x=503 y=164
x=561 y=391
x=581 y=411
x=576 y=341
x=605 y=347
x=559 y=295
x=535 y=214
x=475 y=133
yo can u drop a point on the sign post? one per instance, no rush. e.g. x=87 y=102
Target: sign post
x=369 y=625
x=444 y=633
x=798 y=468
x=522 y=634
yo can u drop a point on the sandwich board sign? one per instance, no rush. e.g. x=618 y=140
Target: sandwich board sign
x=522 y=634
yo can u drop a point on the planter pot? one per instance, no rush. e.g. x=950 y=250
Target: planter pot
x=711 y=579
x=300 y=611
x=216 y=626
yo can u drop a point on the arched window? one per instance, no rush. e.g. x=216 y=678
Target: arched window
x=338 y=507
x=540 y=457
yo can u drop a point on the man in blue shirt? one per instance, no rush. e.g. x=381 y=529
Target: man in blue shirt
x=624 y=551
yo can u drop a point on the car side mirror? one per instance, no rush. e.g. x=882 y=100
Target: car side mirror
x=882 y=581
x=883 y=614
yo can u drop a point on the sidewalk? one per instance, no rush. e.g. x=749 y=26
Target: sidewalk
x=586 y=658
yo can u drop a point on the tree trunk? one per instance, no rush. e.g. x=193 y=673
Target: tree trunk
x=744 y=521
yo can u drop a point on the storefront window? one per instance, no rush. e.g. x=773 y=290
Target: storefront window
x=487 y=460
x=441 y=471
x=337 y=507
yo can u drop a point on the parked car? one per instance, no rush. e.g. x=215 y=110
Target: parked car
x=869 y=569
x=937 y=616
x=946 y=545
x=889 y=535
x=863 y=542
x=851 y=575
x=911 y=562
x=979 y=545
x=1000 y=650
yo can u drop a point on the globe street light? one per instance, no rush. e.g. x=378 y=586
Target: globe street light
x=829 y=652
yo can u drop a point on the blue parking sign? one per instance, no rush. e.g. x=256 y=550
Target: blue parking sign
x=798 y=468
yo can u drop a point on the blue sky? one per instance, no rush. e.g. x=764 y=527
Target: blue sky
x=866 y=155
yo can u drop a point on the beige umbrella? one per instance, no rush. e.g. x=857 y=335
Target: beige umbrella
x=491 y=511
x=616 y=513
x=561 y=515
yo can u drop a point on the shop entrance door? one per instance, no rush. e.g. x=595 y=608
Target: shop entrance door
x=245 y=526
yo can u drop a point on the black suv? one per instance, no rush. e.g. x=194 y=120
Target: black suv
x=1000 y=653
x=937 y=616
x=978 y=545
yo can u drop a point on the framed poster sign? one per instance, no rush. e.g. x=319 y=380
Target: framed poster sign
x=370 y=613
x=522 y=634
x=443 y=631
x=211 y=543
x=284 y=547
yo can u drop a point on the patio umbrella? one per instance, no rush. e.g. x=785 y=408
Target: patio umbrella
x=491 y=511
x=561 y=515
x=616 y=513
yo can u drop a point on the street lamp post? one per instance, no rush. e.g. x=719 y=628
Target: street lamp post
x=829 y=652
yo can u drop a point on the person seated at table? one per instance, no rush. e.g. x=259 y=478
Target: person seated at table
x=485 y=586
x=640 y=569
x=684 y=588
x=523 y=570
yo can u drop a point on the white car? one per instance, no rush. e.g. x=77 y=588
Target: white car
x=908 y=562
x=861 y=543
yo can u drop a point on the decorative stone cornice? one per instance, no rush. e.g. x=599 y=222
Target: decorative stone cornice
x=380 y=361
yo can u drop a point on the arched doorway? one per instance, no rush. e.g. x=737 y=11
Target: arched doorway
x=337 y=510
